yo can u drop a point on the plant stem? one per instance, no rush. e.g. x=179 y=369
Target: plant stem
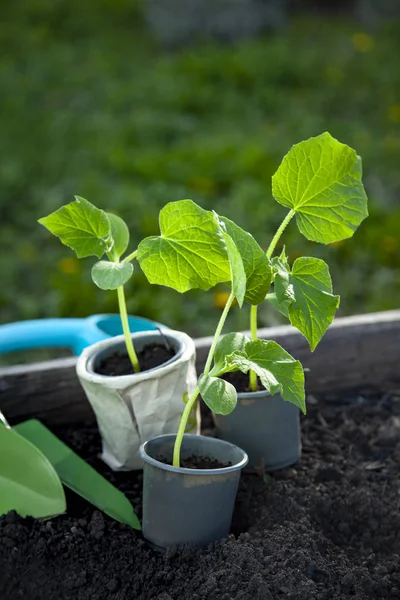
x=253 y=326
x=125 y=327
x=279 y=232
x=253 y=312
x=130 y=257
x=182 y=426
x=217 y=333
x=193 y=397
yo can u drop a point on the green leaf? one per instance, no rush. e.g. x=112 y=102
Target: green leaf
x=189 y=253
x=238 y=275
x=219 y=395
x=308 y=289
x=81 y=226
x=227 y=344
x=283 y=285
x=77 y=475
x=256 y=264
x=120 y=235
x=274 y=366
x=111 y=275
x=282 y=307
x=320 y=179
x=28 y=482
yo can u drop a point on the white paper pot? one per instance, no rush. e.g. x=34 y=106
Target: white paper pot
x=131 y=409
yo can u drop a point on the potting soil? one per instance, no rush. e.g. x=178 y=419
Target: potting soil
x=151 y=356
x=325 y=529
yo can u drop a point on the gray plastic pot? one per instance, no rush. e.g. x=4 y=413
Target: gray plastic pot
x=188 y=506
x=266 y=427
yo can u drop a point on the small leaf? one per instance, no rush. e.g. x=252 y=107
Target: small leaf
x=111 y=275
x=320 y=179
x=76 y=474
x=308 y=289
x=28 y=483
x=280 y=262
x=283 y=285
x=282 y=307
x=274 y=366
x=189 y=253
x=238 y=275
x=81 y=226
x=256 y=264
x=227 y=344
x=120 y=235
x=219 y=395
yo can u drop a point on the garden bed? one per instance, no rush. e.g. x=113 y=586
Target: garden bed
x=327 y=528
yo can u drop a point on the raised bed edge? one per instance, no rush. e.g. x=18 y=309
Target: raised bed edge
x=359 y=353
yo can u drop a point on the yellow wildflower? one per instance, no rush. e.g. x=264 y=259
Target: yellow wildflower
x=362 y=42
x=393 y=113
x=69 y=265
x=220 y=299
x=389 y=243
x=202 y=184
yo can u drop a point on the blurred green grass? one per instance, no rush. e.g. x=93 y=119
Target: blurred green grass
x=90 y=105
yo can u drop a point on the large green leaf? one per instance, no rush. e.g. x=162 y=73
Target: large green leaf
x=81 y=226
x=120 y=235
x=28 y=482
x=189 y=253
x=274 y=366
x=238 y=275
x=306 y=293
x=219 y=395
x=256 y=264
x=111 y=275
x=320 y=179
x=76 y=474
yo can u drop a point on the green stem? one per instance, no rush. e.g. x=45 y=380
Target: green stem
x=130 y=257
x=182 y=427
x=253 y=312
x=125 y=327
x=217 y=333
x=193 y=397
x=253 y=328
x=279 y=232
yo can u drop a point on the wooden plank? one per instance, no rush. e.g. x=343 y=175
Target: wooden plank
x=359 y=353
x=49 y=391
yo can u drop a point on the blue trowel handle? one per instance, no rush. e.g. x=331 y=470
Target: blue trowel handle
x=50 y=333
x=75 y=334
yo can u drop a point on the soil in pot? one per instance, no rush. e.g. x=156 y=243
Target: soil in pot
x=326 y=529
x=197 y=462
x=151 y=356
x=241 y=381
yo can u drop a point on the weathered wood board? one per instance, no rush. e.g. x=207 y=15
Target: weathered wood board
x=360 y=353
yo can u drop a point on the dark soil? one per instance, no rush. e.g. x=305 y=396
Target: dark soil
x=326 y=529
x=197 y=462
x=152 y=355
x=241 y=381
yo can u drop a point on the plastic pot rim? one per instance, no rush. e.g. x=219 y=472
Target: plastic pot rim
x=196 y=472
x=257 y=395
